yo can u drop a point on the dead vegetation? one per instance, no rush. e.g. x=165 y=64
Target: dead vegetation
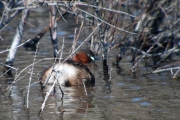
x=147 y=28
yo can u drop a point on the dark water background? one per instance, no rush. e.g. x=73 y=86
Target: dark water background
x=137 y=97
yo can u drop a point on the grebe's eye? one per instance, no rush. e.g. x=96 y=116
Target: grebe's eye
x=92 y=58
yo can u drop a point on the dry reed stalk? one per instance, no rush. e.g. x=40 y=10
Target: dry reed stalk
x=56 y=81
x=83 y=41
x=30 y=78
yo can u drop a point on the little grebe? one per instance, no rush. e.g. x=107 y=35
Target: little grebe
x=71 y=72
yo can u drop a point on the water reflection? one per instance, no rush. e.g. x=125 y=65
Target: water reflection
x=145 y=103
x=76 y=102
x=136 y=99
x=12 y=97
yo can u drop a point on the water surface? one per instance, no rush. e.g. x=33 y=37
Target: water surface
x=137 y=97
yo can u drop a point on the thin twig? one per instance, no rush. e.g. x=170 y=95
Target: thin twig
x=5 y=72
x=15 y=79
x=30 y=78
x=61 y=50
x=61 y=14
x=9 y=66
x=111 y=10
x=174 y=76
x=107 y=22
x=1 y=38
x=17 y=46
x=136 y=64
x=166 y=69
x=84 y=87
x=46 y=98
x=83 y=42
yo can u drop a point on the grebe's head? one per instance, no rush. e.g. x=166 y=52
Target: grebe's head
x=84 y=56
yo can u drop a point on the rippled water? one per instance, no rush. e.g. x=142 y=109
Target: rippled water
x=146 y=97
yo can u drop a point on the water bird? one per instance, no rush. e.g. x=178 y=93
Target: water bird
x=72 y=72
